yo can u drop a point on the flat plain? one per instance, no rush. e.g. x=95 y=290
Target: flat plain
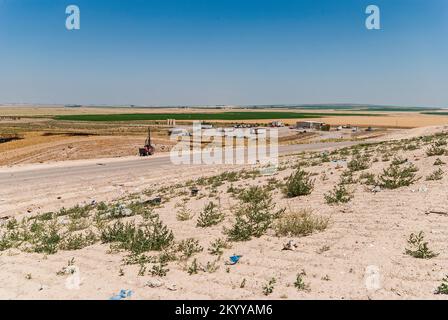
x=363 y=220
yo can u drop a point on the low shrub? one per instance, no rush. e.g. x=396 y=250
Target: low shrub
x=339 y=194
x=217 y=246
x=396 y=176
x=443 y=287
x=419 y=247
x=300 y=223
x=436 y=175
x=299 y=184
x=150 y=236
x=358 y=162
x=210 y=216
x=189 y=247
x=435 y=150
x=254 y=215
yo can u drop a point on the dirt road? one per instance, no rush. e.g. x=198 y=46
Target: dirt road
x=40 y=187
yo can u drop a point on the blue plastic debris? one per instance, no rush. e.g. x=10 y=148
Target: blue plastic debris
x=234 y=260
x=123 y=294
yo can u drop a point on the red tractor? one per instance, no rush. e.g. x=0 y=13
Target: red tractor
x=148 y=149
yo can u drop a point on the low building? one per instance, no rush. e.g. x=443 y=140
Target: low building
x=178 y=132
x=277 y=124
x=310 y=125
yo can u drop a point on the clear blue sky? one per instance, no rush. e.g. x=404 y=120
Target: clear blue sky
x=171 y=52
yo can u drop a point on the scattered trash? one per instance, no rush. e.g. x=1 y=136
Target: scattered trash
x=290 y=245
x=123 y=294
x=155 y=201
x=93 y=203
x=421 y=189
x=5 y=217
x=59 y=198
x=154 y=283
x=443 y=213
x=233 y=260
x=376 y=189
x=339 y=163
x=172 y=287
x=269 y=171
x=64 y=221
x=194 y=191
x=42 y=287
x=121 y=210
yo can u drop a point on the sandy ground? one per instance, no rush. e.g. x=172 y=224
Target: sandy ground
x=65 y=148
x=371 y=230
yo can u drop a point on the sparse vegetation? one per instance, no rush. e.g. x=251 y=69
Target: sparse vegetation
x=184 y=214
x=152 y=235
x=323 y=249
x=396 y=176
x=300 y=284
x=67 y=269
x=211 y=266
x=339 y=194
x=254 y=215
x=132 y=226
x=418 y=247
x=435 y=150
x=211 y=215
x=189 y=247
x=299 y=184
x=396 y=161
x=160 y=269
x=367 y=179
x=443 y=287
x=347 y=178
x=78 y=241
x=193 y=268
x=436 y=175
x=359 y=162
x=217 y=246
x=268 y=288
x=300 y=223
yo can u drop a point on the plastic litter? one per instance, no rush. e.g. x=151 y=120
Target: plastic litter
x=443 y=213
x=421 y=189
x=127 y=212
x=269 y=171
x=339 y=162
x=123 y=294
x=290 y=245
x=154 y=202
x=194 y=191
x=172 y=287
x=233 y=260
x=154 y=283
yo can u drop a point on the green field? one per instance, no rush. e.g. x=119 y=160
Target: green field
x=351 y=108
x=230 y=116
x=436 y=113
